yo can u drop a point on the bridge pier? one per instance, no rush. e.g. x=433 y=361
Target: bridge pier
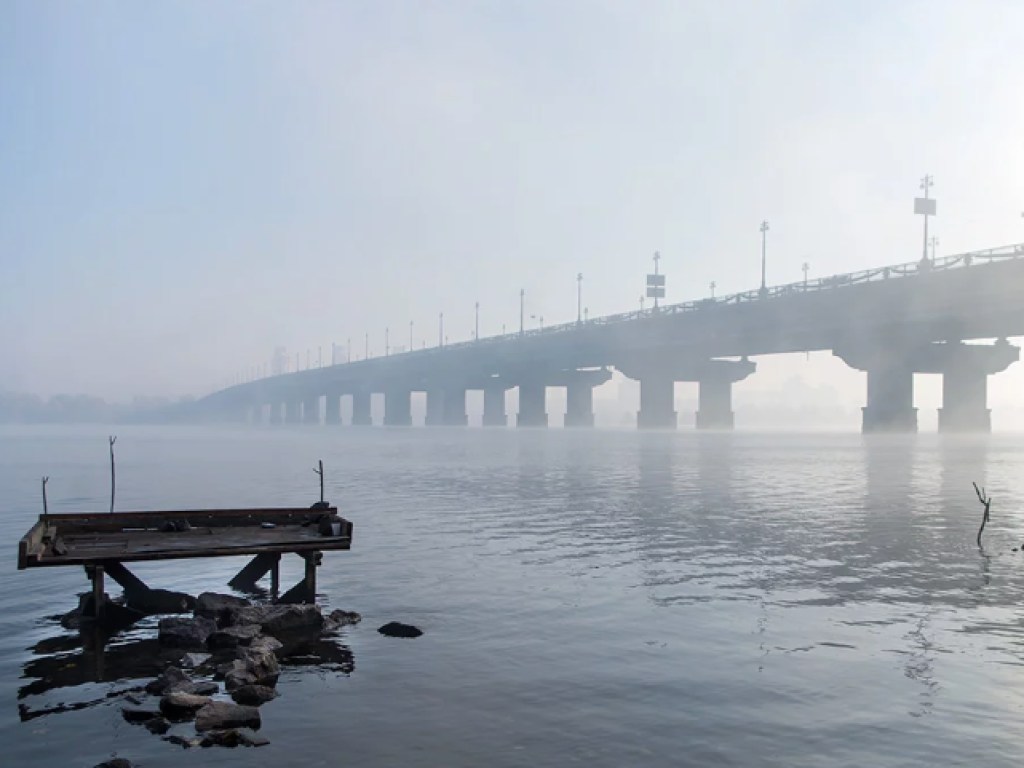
x=579 y=396
x=332 y=408
x=275 y=413
x=494 y=406
x=361 y=416
x=454 y=415
x=965 y=384
x=311 y=410
x=657 y=403
x=714 y=392
x=398 y=408
x=293 y=411
x=532 y=404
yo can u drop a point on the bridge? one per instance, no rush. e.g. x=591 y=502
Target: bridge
x=891 y=322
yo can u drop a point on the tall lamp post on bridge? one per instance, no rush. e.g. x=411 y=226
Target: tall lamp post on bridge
x=655 y=284
x=387 y=342
x=764 y=249
x=712 y=286
x=926 y=207
x=522 y=311
x=806 y=268
x=579 y=297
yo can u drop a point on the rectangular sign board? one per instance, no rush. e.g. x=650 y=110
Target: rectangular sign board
x=655 y=293
x=924 y=205
x=656 y=280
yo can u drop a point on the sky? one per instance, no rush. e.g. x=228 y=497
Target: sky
x=185 y=186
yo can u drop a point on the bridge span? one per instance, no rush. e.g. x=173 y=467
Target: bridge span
x=891 y=322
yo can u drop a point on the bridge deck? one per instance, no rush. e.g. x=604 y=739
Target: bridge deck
x=92 y=539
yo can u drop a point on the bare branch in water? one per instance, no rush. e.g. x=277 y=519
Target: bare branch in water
x=320 y=472
x=113 y=439
x=46 y=508
x=986 y=501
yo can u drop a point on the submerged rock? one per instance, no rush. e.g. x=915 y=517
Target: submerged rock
x=253 y=667
x=397 y=629
x=117 y=762
x=182 y=706
x=152 y=601
x=193 y=660
x=282 y=619
x=181 y=741
x=253 y=695
x=339 y=618
x=166 y=680
x=220 y=715
x=233 y=738
x=186 y=633
x=232 y=637
x=139 y=715
x=158 y=725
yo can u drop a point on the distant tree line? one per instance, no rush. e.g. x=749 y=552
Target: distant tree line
x=22 y=408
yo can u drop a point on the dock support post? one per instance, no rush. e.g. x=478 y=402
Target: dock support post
x=275 y=577
x=97 y=590
x=305 y=590
x=255 y=570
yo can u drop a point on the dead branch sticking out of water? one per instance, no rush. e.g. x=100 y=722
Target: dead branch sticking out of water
x=986 y=502
x=113 y=439
x=320 y=472
x=46 y=508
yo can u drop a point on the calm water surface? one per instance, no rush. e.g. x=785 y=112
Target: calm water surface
x=592 y=598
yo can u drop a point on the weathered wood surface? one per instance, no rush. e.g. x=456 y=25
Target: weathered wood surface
x=87 y=539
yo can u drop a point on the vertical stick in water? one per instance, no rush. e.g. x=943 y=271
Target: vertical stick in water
x=320 y=472
x=46 y=509
x=113 y=439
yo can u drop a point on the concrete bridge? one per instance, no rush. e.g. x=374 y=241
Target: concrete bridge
x=891 y=322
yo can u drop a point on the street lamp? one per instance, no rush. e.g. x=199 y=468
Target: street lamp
x=764 y=240
x=806 y=268
x=579 y=297
x=641 y=303
x=387 y=342
x=586 y=314
x=712 y=285
x=656 y=283
x=522 y=306
x=926 y=207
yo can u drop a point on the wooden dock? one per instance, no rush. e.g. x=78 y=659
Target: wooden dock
x=102 y=543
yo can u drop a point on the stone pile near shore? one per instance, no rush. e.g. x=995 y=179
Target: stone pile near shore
x=231 y=648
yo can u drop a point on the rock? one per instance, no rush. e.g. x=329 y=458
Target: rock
x=266 y=643
x=186 y=633
x=233 y=738
x=182 y=706
x=204 y=688
x=253 y=695
x=158 y=725
x=117 y=762
x=138 y=715
x=181 y=741
x=219 y=715
x=397 y=629
x=193 y=660
x=232 y=637
x=282 y=619
x=152 y=601
x=220 y=608
x=165 y=680
x=339 y=618
x=253 y=667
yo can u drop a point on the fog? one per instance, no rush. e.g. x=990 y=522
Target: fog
x=187 y=187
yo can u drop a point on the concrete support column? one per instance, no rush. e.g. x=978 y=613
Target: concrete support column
x=455 y=407
x=293 y=411
x=532 y=411
x=311 y=410
x=435 y=408
x=332 y=408
x=714 y=394
x=256 y=414
x=361 y=409
x=398 y=408
x=965 y=402
x=275 y=413
x=494 y=407
x=579 y=404
x=890 y=405
x=657 y=403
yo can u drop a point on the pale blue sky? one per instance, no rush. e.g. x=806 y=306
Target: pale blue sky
x=186 y=186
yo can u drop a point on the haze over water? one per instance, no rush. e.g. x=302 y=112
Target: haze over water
x=598 y=598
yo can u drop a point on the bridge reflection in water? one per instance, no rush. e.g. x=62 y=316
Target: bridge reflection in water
x=890 y=322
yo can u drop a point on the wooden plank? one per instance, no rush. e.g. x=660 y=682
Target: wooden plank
x=216 y=518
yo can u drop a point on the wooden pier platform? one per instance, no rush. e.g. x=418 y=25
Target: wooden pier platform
x=102 y=543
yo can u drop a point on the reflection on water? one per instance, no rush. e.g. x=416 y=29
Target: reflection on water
x=606 y=598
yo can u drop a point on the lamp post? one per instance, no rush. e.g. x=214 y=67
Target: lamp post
x=806 y=268
x=387 y=342
x=522 y=310
x=712 y=285
x=641 y=303
x=579 y=297
x=926 y=207
x=764 y=241
x=586 y=314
